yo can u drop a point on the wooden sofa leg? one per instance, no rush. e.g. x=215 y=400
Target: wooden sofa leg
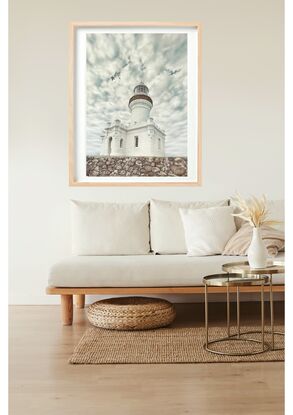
x=80 y=300
x=67 y=309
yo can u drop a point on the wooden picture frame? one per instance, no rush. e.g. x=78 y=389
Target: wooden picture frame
x=78 y=30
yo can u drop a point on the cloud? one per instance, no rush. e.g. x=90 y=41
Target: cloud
x=116 y=63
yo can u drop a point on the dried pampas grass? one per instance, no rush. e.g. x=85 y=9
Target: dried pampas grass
x=254 y=211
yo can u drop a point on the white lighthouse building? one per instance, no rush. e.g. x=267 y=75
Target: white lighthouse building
x=141 y=137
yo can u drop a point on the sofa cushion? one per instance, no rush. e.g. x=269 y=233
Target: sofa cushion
x=110 y=228
x=207 y=230
x=167 y=233
x=276 y=212
x=139 y=271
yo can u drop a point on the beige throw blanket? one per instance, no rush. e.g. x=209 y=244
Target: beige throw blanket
x=274 y=241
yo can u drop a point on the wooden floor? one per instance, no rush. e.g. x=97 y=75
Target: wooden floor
x=43 y=383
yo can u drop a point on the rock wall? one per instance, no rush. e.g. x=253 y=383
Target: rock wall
x=136 y=166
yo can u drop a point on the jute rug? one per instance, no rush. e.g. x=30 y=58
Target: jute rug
x=166 y=345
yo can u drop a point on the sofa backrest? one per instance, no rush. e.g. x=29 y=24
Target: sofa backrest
x=139 y=228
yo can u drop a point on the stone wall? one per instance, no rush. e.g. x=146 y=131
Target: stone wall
x=136 y=166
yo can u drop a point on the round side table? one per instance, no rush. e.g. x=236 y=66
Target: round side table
x=234 y=280
x=276 y=267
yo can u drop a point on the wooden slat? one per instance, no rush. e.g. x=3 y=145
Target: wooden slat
x=153 y=290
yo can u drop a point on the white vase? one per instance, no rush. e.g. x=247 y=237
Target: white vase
x=257 y=252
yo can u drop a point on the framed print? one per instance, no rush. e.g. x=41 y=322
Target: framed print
x=134 y=100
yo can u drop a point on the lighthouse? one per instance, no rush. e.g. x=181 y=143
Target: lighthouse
x=141 y=137
x=140 y=104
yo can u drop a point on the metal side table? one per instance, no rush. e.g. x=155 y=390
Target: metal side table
x=234 y=280
x=243 y=269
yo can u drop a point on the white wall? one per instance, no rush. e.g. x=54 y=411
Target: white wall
x=242 y=97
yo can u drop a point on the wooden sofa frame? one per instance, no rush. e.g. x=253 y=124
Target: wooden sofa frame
x=67 y=294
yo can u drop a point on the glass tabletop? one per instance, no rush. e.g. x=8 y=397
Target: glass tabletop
x=233 y=280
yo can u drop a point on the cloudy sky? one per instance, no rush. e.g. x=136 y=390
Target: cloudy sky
x=116 y=63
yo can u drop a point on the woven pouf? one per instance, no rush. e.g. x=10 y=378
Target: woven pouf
x=131 y=313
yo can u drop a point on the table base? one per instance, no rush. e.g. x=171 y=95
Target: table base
x=278 y=333
x=265 y=346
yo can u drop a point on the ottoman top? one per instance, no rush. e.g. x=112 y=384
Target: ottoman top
x=127 y=303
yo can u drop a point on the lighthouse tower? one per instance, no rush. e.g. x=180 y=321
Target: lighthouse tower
x=141 y=137
x=140 y=104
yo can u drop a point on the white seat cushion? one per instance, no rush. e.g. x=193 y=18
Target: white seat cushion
x=139 y=271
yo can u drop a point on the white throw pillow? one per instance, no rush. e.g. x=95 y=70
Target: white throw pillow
x=167 y=233
x=110 y=228
x=207 y=230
